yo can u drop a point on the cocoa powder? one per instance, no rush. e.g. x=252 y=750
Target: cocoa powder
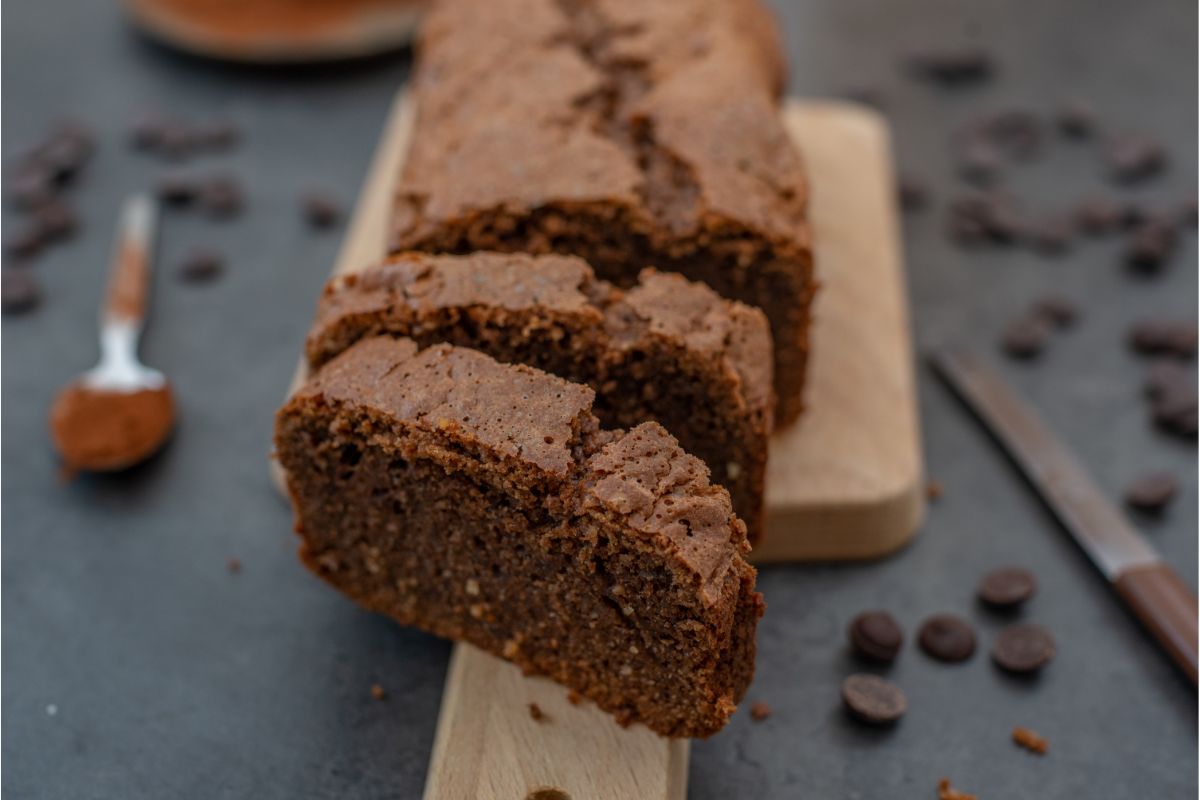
x=96 y=429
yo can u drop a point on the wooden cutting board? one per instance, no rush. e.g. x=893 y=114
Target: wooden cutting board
x=844 y=483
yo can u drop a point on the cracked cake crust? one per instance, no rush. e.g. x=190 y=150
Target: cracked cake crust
x=632 y=134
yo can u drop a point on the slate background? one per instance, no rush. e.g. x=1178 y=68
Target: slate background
x=173 y=678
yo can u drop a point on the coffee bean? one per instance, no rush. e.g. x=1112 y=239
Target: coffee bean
x=951 y=66
x=1051 y=236
x=876 y=635
x=146 y=132
x=221 y=197
x=1151 y=492
x=1056 y=310
x=947 y=638
x=873 y=700
x=1100 y=215
x=19 y=290
x=1164 y=337
x=201 y=265
x=216 y=135
x=979 y=162
x=1151 y=247
x=55 y=220
x=1025 y=337
x=914 y=193
x=1076 y=119
x=979 y=217
x=177 y=189
x=1175 y=412
x=1189 y=212
x=1015 y=131
x=66 y=152
x=1166 y=377
x=29 y=186
x=1134 y=157
x=176 y=141
x=1023 y=648
x=1007 y=587
x=26 y=241
x=320 y=210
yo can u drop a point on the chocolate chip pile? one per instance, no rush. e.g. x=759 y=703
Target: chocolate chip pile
x=877 y=638
x=37 y=186
x=38 y=183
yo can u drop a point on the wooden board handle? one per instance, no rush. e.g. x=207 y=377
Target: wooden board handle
x=1167 y=608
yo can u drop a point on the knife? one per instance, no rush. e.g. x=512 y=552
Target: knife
x=1156 y=595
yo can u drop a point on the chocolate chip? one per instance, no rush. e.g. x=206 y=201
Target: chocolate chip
x=1023 y=648
x=1134 y=157
x=947 y=638
x=1057 y=310
x=1100 y=215
x=201 y=265
x=1076 y=119
x=914 y=193
x=320 y=210
x=1051 y=236
x=876 y=635
x=873 y=700
x=1151 y=247
x=951 y=66
x=1159 y=337
x=1007 y=587
x=19 y=290
x=1151 y=492
x=177 y=189
x=221 y=197
x=1025 y=337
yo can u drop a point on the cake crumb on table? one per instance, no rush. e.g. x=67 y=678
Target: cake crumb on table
x=535 y=711
x=948 y=792
x=759 y=711
x=574 y=697
x=933 y=490
x=377 y=692
x=233 y=565
x=1030 y=740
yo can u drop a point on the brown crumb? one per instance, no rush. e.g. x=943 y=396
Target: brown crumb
x=377 y=692
x=759 y=711
x=933 y=490
x=574 y=697
x=948 y=792
x=1030 y=740
x=535 y=711
x=234 y=566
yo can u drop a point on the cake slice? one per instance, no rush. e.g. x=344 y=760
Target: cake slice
x=482 y=502
x=668 y=350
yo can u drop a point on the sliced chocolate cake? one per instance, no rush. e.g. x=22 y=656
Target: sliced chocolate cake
x=483 y=502
x=632 y=134
x=666 y=350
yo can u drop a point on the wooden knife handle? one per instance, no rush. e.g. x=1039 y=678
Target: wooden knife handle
x=1167 y=607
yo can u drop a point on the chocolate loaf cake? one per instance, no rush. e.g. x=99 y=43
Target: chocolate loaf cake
x=631 y=134
x=482 y=502
x=667 y=350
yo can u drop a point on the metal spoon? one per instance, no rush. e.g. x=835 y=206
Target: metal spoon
x=119 y=412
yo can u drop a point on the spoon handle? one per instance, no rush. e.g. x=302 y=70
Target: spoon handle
x=129 y=276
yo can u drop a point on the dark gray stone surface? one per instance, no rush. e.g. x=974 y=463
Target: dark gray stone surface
x=170 y=677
